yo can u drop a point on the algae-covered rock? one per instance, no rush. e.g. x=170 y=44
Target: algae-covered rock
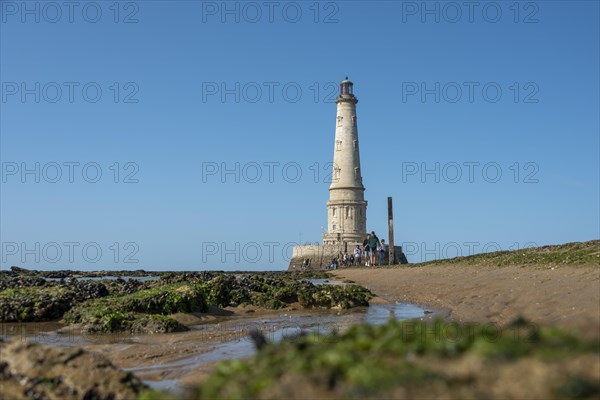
x=265 y=300
x=141 y=312
x=126 y=306
x=277 y=290
x=414 y=359
x=46 y=303
x=156 y=324
x=111 y=321
x=333 y=296
x=35 y=371
x=218 y=290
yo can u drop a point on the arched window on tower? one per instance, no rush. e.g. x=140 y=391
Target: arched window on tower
x=336 y=174
x=357 y=173
x=355 y=144
x=339 y=119
x=338 y=145
x=354 y=120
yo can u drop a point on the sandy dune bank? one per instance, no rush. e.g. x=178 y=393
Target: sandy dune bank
x=564 y=296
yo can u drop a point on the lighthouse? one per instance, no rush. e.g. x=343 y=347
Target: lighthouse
x=346 y=207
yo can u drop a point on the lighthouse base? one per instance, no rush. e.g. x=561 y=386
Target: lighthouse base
x=320 y=257
x=313 y=257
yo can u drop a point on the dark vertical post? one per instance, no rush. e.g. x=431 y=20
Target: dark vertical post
x=392 y=258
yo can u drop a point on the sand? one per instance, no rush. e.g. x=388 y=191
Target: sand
x=565 y=296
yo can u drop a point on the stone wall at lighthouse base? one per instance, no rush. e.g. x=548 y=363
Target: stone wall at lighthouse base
x=319 y=257
x=313 y=256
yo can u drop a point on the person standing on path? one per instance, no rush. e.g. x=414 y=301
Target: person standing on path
x=384 y=249
x=357 y=254
x=373 y=242
x=366 y=250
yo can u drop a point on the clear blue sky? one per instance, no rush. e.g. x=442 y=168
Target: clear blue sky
x=173 y=123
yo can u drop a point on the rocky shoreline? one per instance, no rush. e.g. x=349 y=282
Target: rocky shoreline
x=106 y=304
x=135 y=306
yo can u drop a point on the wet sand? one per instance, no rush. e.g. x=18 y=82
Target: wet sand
x=565 y=296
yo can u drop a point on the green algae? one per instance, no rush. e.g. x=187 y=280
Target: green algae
x=143 y=311
x=34 y=304
x=277 y=291
x=130 y=306
x=374 y=361
x=576 y=253
x=129 y=312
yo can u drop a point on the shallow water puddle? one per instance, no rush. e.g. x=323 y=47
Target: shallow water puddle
x=274 y=329
x=378 y=314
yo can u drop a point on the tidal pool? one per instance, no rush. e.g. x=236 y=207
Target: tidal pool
x=274 y=329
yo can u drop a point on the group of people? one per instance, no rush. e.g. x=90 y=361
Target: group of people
x=371 y=253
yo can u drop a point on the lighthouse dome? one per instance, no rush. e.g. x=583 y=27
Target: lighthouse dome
x=346 y=92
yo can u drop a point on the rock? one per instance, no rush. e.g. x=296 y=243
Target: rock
x=258 y=338
x=34 y=300
x=34 y=371
x=62 y=274
x=20 y=270
x=151 y=324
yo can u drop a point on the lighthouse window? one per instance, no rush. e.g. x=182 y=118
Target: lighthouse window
x=333 y=211
x=354 y=120
x=357 y=173
x=356 y=145
x=339 y=119
x=338 y=145
x=333 y=227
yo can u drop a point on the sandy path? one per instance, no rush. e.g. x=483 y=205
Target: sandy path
x=568 y=297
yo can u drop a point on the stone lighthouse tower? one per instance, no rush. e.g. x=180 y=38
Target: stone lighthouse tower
x=346 y=208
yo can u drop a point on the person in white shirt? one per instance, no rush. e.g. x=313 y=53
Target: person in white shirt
x=384 y=248
x=357 y=254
